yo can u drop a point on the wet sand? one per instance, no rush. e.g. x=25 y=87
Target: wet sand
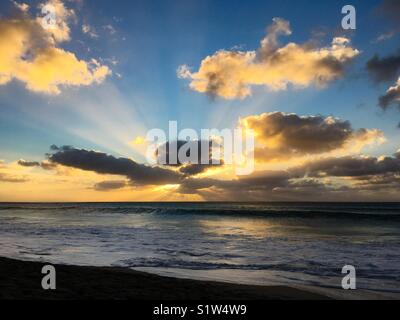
x=22 y=280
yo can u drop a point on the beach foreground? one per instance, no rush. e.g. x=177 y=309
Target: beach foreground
x=22 y=280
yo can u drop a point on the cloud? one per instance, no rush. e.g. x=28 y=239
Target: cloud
x=328 y=179
x=21 y=6
x=380 y=183
x=110 y=185
x=44 y=164
x=349 y=167
x=266 y=186
x=391 y=97
x=171 y=153
x=266 y=181
x=384 y=69
x=60 y=30
x=110 y=29
x=384 y=36
x=106 y=164
x=390 y=9
x=196 y=163
x=24 y=163
x=29 y=53
x=231 y=74
x=371 y=177
x=195 y=169
x=88 y=30
x=347 y=178
x=281 y=136
x=10 y=177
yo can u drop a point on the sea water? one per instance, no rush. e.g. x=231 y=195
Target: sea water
x=295 y=244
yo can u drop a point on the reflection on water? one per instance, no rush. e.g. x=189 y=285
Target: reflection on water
x=255 y=228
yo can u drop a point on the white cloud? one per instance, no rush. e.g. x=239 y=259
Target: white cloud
x=231 y=74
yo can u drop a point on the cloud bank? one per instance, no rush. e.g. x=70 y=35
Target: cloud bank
x=330 y=179
x=323 y=175
x=353 y=167
x=103 y=163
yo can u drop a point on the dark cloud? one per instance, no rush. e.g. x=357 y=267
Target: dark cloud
x=215 y=82
x=312 y=189
x=353 y=167
x=266 y=179
x=110 y=185
x=305 y=134
x=333 y=64
x=380 y=182
x=384 y=69
x=198 y=162
x=265 y=186
x=24 y=163
x=361 y=179
x=391 y=97
x=168 y=153
x=44 y=165
x=390 y=9
x=287 y=135
x=106 y=164
x=195 y=169
x=54 y=147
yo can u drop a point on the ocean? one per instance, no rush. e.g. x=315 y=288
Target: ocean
x=302 y=245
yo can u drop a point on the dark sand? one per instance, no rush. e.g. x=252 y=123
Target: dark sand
x=22 y=280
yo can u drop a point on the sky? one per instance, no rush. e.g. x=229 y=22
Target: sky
x=78 y=98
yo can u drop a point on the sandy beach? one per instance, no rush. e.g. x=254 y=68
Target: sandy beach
x=22 y=280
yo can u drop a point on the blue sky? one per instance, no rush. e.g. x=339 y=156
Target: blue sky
x=144 y=42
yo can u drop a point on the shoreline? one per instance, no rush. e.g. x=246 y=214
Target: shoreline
x=21 y=280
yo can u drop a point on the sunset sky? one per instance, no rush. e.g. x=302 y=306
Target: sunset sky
x=77 y=100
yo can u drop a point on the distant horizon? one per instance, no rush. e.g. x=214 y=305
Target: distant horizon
x=199 y=202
